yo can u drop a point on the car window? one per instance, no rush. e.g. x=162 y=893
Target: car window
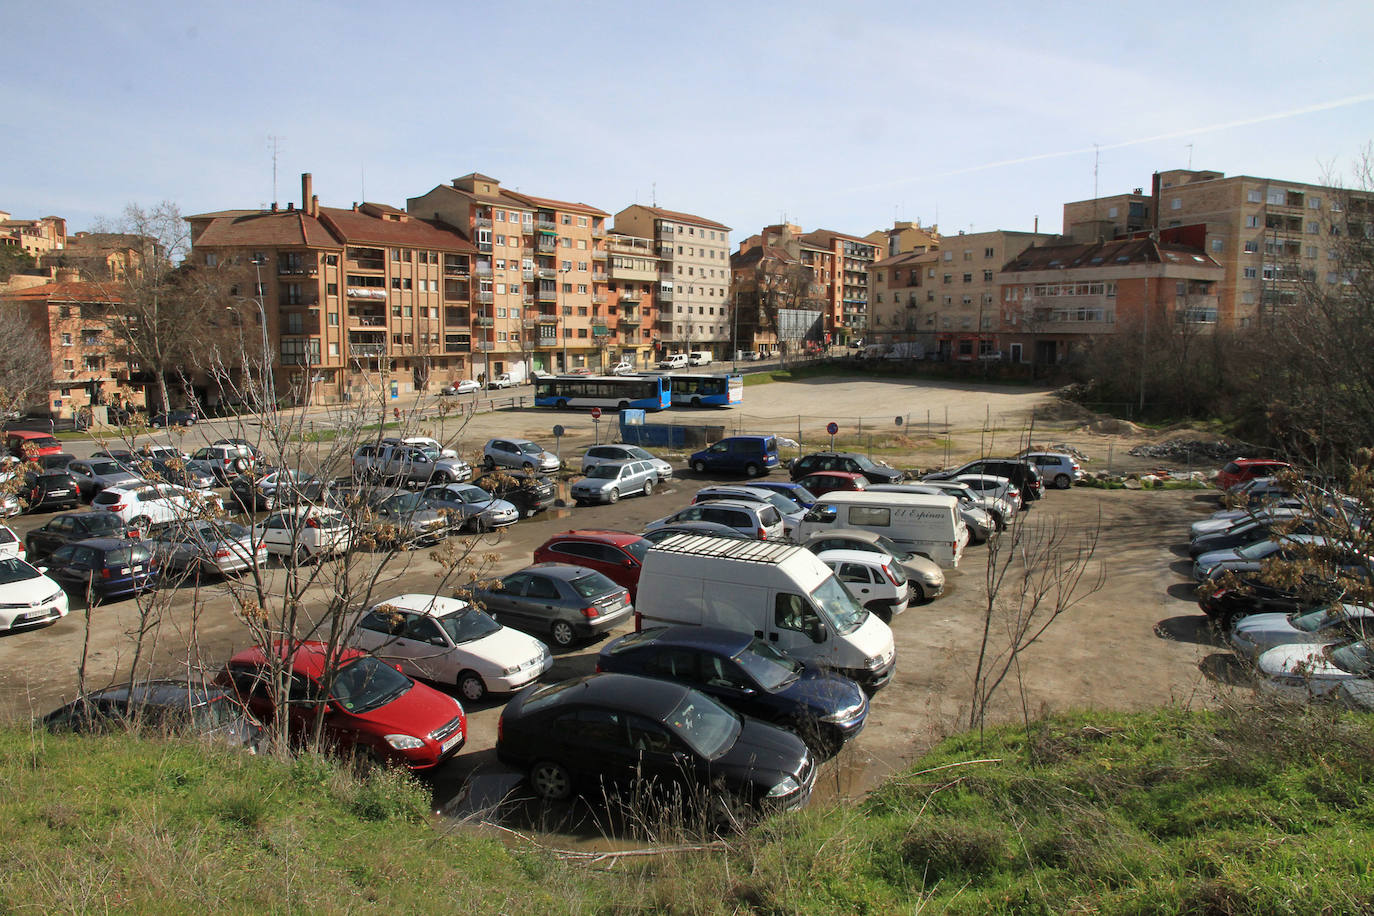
x=854 y=572
x=769 y=516
x=379 y=621
x=601 y=726
x=541 y=587
x=573 y=549
x=592 y=585
x=648 y=736
x=420 y=629
x=675 y=663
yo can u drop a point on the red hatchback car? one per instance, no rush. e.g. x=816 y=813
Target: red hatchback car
x=373 y=709
x=26 y=444
x=823 y=482
x=617 y=555
x=1243 y=469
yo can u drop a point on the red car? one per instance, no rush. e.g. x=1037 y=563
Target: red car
x=27 y=444
x=823 y=482
x=617 y=555
x=373 y=709
x=1243 y=469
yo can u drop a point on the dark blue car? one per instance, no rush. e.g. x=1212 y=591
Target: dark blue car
x=107 y=567
x=747 y=455
x=748 y=675
x=792 y=490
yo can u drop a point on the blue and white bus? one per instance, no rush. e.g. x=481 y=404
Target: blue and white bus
x=720 y=389
x=610 y=391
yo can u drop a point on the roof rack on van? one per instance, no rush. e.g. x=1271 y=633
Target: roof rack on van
x=703 y=545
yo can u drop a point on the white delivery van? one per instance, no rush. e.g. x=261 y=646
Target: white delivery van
x=922 y=523
x=699 y=358
x=673 y=361
x=778 y=592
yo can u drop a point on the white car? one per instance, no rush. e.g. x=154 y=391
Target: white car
x=1252 y=636
x=1227 y=519
x=503 y=380
x=140 y=506
x=1304 y=671
x=875 y=580
x=1058 y=469
x=603 y=454
x=623 y=368
x=449 y=641
x=465 y=386
x=10 y=544
x=990 y=485
x=27 y=597
x=305 y=532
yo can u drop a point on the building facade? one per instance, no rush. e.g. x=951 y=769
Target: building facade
x=903 y=308
x=635 y=296
x=844 y=277
x=904 y=236
x=35 y=237
x=695 y=277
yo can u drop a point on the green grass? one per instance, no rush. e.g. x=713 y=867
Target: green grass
x=1252 y=810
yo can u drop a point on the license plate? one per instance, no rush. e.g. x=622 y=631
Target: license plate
x=447 y=745
x=124 y=571
x=59 y=492
x=36 y=615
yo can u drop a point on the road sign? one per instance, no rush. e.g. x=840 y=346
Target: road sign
x=832 y=428
x=596 y=413
x=557 y=431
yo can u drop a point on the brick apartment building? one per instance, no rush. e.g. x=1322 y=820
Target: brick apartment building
x=35 y=237
x=635 y=297
x=844 y=277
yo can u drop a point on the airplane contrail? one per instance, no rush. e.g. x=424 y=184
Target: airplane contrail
x=1171 y=135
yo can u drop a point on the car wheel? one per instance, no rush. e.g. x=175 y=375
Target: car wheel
x=648 y=488
x=1228 y=619
x=241 y=465
x=613 y=495
x=562 y=634
x=141 y=522
x=1063 y=482
x=751 y=470
x=488 y=463
x=301 y=556
x=696 y=402
x=472 y=687
x=699 y=466
x=561 y=404
x=551 y=781
x=918 y=594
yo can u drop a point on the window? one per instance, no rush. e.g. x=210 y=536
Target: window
x=987 y=276
x=68 y=364
x=1251 y=247
x=1275 y=196
x=968 y=278
x=1111 y=212
x=333 y=319
x=1253 y=195
x=1252 y=222
x=1217 y=244
x=1314 y=228
x=500 y=239
x=66 y=340
x=989 y=252
x=1176 y=203
x=1250 y=273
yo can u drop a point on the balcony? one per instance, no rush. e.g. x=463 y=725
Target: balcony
x=529 y=323
x=458 y=346
x=484 y=321
x=298 y=270
x=456 y=270
x=630 y=321
x=546 y=273
x=484 y=345
x=454 y=290
x=631 y=295
x=599 y=298
x=482 y=222
x=483 y=270
x=366 y=263
x=665 y=294
x=546 y=341
x=599 y=276
x=527 y=298
x=367 y=350
x=599 y=232
x=546 y=243
x=484 y=247
x=544 y=224
x=485 y=296
x=457 y=316
x=366 y=292
x=598 y=254
x=527 y=274
x=547 y=295
x=600 y=331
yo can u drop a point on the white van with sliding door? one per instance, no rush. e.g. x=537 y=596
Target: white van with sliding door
x=926 y=524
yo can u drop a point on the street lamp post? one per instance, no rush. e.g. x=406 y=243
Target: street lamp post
x=268 y=386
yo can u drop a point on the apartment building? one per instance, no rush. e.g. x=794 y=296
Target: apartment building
x=903 y=304
x=1268 y=235
x=634 y=297
x=904 y=236
x=782 y=290
x=540 y=300
x=105 y=255
x=1054 y=298
x=694 y=276
x=845 y=281
x=35 y=237
x=361 y=302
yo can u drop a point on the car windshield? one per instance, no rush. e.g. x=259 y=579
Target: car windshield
x=469 y=495
x=13 y=569
x=769 y=667
x=106 y=467
x=1258 y=550
x=529 y=448
x=367 y=684
x=708 y=728
x=635 y=451
x=402 y=502
x=1312 y=621
x=865 y=463
x=605 y=471
x=593 y=585
x=1355 y=658
x=782 y=503
x=838 y=607
x=467 y=625
x=220 y=531
x=123 y=556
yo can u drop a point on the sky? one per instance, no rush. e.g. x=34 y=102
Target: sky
x=845 y=116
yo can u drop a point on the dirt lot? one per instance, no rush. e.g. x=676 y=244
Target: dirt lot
x=1136 y=643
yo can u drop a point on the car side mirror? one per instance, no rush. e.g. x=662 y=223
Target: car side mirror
x=433 y=641
x=818 y=633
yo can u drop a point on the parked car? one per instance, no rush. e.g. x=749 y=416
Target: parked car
x=1226 y=604
x=226 y=460
x=1243 y=469
x=876 y=582
x=1254 y=635
x=565 y=602
x=373 y=711
x=844 y=461
x=95 y=474
x=714 y=529
x=257 y=489
x=617 y=555
x=751 y=456
x=469 y=506
x=1249 y=560
x=174 y=418
x=1057 y=469
x=11 y=545
x=1019 y=471
x=449 y=641
x=304 y=532
x=28 y=598
x=753 y=519
x=981 y=523
x=1228 y=519
x=925 y=576
x=141 y=505
x=29 y=444
x=162 y=708
x=103 y=568
x=1250 y=531
x=519 y=453
x=623 y=368
x=791 y=489
x=402 y=518
x=823 y=482
x=673 y=361
x=528 y=491
x=604 y=454
x=622 y=732
x=608 y=481
x=45 y=491
x=405 y=464
x=504 y=380
x=69 y=528
x=790 y=510
x=463 y=386
x=216 y=546
x=993 y=487
x=699 y=358
x=1303 y=671
x=193 y=475
x=748 y=675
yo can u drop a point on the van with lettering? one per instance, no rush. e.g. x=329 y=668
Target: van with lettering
x=927 y=524
x=781 y=593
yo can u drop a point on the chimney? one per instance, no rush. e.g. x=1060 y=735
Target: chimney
x=274 y=206
x=307 y=191
x=290 y=206
x=315 y=205
x=1154 y=199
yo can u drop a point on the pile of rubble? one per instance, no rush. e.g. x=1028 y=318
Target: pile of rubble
x=1190 y=450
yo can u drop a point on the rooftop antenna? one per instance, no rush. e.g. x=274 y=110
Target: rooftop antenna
x=1190 y=157
x=274 y=144
x=362 y=181
x=1097 y=155
x=653 y=194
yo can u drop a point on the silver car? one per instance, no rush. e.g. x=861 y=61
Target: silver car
x=603 y=454
x=96 y=474
x=519 y=453
x=606 y=483
x=469 y=506
x=222 y=547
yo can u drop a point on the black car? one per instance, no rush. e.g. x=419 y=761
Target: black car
x=174 y=418
x=1247 y=533
x=750 y=676
x=527 y=492
x=44 y=491
x=1019 y=471
x=852 y=462
x=163 y=707
x=1225 y=604
x=103 y=568
x=627 y=732
x=70 y=527
x=57 y=462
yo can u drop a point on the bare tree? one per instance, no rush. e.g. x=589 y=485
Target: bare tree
x=25 y=360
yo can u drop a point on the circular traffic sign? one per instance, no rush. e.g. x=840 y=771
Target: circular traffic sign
x=557 y=431
x=832 y=428
x=596 y=413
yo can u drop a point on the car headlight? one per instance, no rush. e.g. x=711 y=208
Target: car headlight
x=784 y=788
x=513 y=669
x=873 y=661
x=404 y=742
x=53 y=597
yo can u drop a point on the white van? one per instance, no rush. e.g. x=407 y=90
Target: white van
x=926 y=524
x=779 y=592
x=674 y=361
x=699 y=358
